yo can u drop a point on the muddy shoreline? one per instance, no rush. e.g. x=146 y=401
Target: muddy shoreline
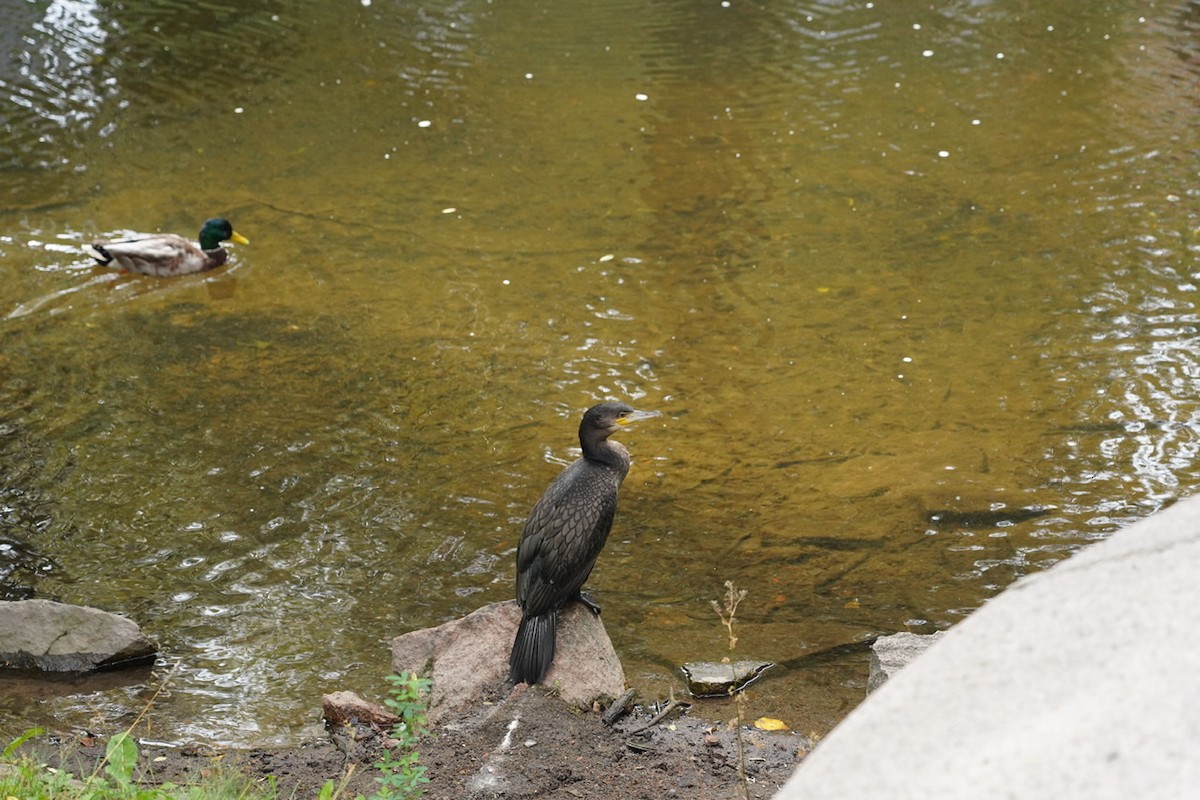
x=524 y=745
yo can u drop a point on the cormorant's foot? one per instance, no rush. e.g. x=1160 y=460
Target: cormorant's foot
x=587 y=600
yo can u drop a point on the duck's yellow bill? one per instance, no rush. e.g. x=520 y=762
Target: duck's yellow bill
x=237 y=237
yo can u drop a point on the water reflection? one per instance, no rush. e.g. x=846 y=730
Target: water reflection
x=53 y=95
x=891 y=302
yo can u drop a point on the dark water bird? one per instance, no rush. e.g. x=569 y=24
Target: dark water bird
x=165 y=254
x=564 y=534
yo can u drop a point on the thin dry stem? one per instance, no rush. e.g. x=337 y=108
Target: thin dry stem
x=727 y=613
x=145 y=709
x=733 y=596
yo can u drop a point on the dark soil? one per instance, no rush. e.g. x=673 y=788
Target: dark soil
x=552 y=751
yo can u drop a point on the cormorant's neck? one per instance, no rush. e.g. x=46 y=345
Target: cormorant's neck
x=607 y=452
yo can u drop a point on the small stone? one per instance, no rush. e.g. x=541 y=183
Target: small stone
x=342 y=708
x=720 y=679
x=889 y=654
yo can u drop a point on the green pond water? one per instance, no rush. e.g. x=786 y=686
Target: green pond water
x=914 y=286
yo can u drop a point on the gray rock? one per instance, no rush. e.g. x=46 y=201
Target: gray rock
x=466 y=655
x=721 y=679
x=1077 y=682
x=891 y=653
x=55 y=637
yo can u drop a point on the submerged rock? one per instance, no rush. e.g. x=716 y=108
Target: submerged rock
x=469 y=656
x=720 y=678
x=56 y=637
x=984 y=517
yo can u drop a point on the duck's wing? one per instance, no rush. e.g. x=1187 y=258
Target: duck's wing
x=152 y=254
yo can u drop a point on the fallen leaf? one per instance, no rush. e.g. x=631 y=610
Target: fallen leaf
x=768 y=724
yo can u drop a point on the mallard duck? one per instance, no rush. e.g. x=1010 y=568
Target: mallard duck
x=165 y=254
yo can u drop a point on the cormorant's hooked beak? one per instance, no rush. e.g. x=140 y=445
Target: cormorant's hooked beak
x=636 y=416
x=238 y=238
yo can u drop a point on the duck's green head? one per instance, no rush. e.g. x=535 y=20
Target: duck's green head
x=217 y=230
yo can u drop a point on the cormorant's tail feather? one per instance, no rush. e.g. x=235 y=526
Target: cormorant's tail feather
x=533 y=649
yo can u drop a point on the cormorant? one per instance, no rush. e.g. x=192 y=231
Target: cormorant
x=564 y=534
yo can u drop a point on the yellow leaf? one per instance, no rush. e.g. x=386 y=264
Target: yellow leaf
x=768 y=724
